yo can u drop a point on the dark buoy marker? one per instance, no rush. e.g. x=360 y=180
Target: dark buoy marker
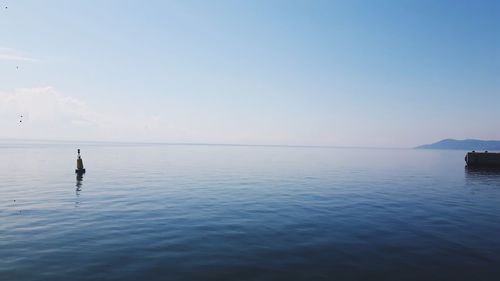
x=79 y=164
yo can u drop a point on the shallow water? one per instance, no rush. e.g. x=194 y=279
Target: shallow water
x=194 y=212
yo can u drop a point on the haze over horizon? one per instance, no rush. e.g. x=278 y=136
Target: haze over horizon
x=351 y=73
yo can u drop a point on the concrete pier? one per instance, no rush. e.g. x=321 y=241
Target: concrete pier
x=482 y=159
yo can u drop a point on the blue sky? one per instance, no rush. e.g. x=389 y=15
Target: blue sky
x=353 y=73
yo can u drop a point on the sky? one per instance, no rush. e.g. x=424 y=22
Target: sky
x=343 y=73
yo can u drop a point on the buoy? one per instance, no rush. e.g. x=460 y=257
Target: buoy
x=79 y=164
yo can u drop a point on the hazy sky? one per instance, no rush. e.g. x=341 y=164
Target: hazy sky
x=357 y=73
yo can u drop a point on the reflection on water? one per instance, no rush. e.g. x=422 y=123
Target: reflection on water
x=79 y=179
x=485 y=176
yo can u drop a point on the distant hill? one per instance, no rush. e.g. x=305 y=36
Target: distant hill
x=469 y=144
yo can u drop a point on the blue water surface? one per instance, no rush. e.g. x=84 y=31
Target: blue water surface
x=207 y=212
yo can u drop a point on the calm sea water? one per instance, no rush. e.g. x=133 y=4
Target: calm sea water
x=187 y=212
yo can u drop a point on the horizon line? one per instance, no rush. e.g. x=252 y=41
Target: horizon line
x=201 y=143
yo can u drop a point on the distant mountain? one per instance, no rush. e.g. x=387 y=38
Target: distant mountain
x=469 y=144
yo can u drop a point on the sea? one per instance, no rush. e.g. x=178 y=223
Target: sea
x=229 y=212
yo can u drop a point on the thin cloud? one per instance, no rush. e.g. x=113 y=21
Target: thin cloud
x=14 y=55
x=50 y=114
